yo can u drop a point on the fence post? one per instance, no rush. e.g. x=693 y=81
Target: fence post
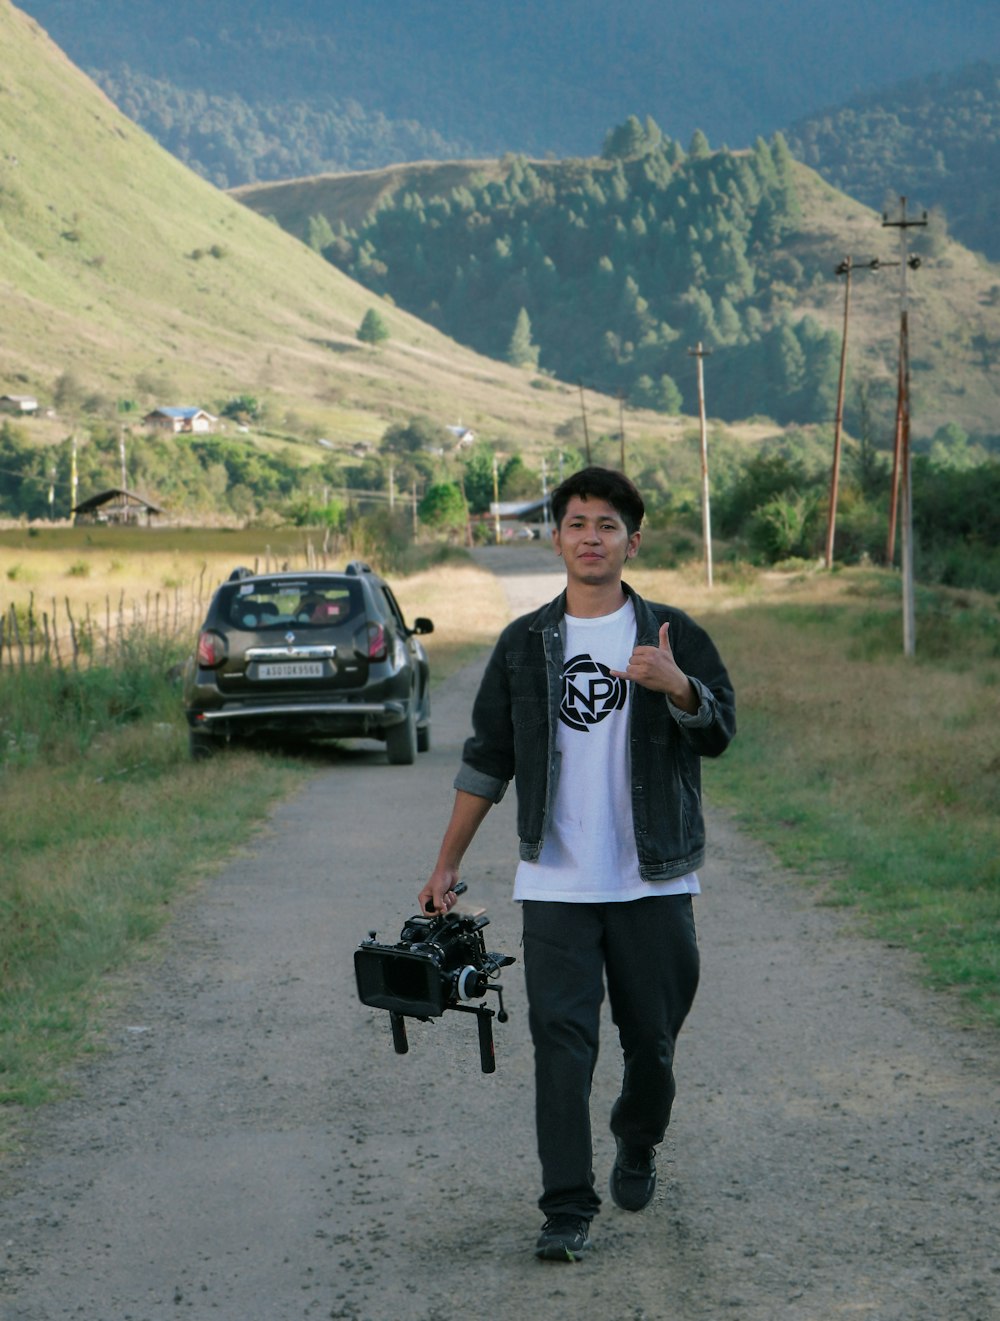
x=55 y=631
x=72 y=633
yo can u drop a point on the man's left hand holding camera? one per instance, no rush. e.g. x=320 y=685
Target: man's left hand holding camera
x=468 y=814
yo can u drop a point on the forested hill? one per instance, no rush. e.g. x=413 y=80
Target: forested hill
x=935 y=138
x=247 y=90
x=609 y=271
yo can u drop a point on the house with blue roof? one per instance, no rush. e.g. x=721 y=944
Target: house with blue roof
x=180 y=420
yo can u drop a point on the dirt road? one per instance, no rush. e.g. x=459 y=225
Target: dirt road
x=251 y=1149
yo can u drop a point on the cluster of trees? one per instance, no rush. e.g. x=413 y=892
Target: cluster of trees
x=774 y=506
x=607 y=271
x=883 y=137
x=230 y=140
x=200 y=475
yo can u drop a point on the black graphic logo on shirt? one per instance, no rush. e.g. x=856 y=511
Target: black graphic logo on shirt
x=590 y=693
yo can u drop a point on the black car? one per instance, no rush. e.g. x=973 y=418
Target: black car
x=310 y=656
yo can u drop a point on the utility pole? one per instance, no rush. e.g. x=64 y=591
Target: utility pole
x=621 y=429
x=496 y=502
x=74 y=480
x=701 y=353
x=902 y=473
x=845 y=268
x=586 y=431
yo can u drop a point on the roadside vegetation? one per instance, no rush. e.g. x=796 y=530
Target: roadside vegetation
x=870 y=776
x=107 y=823
x=875 y=778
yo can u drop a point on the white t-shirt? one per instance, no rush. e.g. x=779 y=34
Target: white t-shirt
x=589 y=852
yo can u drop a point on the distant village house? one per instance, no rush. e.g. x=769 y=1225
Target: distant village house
x=464 y=436
x=180 y=420
x=117 y=505
x=24 y=405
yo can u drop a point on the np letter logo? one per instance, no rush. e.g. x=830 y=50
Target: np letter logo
x=590 y=693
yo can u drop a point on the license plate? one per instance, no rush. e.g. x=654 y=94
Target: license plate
x=291 y=670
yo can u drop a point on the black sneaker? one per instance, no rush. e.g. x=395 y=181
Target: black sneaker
x=633 y=1177
x=563 y=1238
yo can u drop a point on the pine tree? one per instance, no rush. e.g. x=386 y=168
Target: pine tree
x=373 y=329
x=520 y=351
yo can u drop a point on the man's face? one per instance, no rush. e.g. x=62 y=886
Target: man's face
x=594 y=541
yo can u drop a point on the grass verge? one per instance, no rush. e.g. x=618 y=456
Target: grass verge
x=104 y=812
x=875 y=777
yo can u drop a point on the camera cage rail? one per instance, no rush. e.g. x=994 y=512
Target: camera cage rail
x=438 y=963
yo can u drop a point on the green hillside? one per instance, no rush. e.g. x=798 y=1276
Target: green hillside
x=622 y=265
x=124 y=271
x=937 y=137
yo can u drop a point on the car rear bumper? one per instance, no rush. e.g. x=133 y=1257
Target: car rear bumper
x=348 y=719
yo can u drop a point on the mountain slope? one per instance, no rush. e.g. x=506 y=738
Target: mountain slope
x=547 y=77
x=622 y=267
x=120 y=266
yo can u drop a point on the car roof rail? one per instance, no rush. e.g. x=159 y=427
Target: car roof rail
x=241 y=571
x=357 y=567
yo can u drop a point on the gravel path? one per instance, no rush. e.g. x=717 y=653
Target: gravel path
x=250 y=1148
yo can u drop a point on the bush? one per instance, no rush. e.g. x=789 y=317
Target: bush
x=783 y=528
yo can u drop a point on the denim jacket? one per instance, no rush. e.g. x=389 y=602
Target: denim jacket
x=516 y=714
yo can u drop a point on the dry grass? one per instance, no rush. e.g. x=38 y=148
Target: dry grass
x=876 y=777
x=102 y=571
x=467 y=606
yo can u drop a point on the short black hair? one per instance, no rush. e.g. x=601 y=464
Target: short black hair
x=601 y=484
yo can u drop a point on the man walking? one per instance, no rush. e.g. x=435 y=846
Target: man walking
x=600 y=707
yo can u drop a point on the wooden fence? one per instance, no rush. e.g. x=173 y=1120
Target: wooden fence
x=54 y=632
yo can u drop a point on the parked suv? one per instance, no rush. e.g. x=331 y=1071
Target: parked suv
x=311 y=655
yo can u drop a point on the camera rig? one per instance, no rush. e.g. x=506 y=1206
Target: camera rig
x=438 y=963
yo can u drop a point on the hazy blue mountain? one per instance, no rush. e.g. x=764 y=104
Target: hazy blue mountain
x=935 y=139
x=550 y=76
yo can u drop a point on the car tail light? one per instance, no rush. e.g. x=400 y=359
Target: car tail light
x=211 y=649
x=371 y=641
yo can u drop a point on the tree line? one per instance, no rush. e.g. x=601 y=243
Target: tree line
x=940 y=133
x=231 y=140
x=769 y=502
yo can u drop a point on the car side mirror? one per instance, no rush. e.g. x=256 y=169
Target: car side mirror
x=422 y=625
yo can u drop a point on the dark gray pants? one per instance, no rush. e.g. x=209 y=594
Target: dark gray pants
x=648 y=951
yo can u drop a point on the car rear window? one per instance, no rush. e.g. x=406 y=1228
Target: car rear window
x=281 y=604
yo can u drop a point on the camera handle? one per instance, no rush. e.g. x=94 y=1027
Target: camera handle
x=459 y=889
x=399 y=1041
x=484 y=1022
x=484 y=1016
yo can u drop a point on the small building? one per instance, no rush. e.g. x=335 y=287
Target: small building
x=23 y=405
x=116 y=506
x=464 y=436
x=179 y=421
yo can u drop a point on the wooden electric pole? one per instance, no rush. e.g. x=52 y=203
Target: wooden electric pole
x=845 y=268
x=586 y=429
x=902 y=467
x=621 y=428
x=701 y=353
